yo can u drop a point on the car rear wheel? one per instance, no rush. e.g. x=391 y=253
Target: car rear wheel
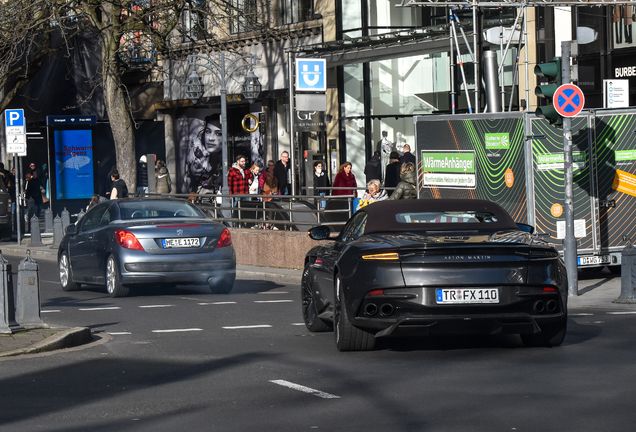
x=113 y=280
x=223 y=287
x=310 y=314
x=348 y=337
x=66 y=274
x=550 y=335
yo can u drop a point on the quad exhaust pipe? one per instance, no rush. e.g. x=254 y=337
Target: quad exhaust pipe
x=540 y=306
x=385 y=310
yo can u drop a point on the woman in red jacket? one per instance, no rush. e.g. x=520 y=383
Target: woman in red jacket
x=345 y=178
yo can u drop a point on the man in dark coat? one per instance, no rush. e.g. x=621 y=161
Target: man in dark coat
x=373 y=169
x=408 y=156
x=281 y=172
x=393 y=171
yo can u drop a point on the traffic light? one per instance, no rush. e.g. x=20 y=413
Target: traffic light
x=551 y=71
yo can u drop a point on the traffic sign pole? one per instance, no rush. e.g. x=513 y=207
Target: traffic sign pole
x=569 y=243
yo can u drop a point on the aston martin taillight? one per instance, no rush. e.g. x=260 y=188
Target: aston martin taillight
x=127 y=240
x=549 y=289
x=389 y=256
x=225 y=239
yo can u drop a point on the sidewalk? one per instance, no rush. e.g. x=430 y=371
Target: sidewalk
x=596 y=290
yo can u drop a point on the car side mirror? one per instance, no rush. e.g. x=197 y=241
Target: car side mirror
x=525 y=228
x=71 y=229
x=320 y=232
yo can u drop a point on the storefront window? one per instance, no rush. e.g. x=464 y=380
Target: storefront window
x=623 y=26
x=589 y=29
x=354 y=90
x=351 y=18
x=410 y=85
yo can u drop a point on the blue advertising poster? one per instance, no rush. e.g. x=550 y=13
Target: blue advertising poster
x=73 y=164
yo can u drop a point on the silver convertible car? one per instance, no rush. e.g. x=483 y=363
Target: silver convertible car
x=152 y=242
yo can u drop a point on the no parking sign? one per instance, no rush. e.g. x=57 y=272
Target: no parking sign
x=568 y=100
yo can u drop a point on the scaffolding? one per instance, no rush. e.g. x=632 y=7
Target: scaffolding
x=522 y=40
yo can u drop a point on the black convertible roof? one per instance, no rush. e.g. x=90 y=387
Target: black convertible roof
x=382 y=215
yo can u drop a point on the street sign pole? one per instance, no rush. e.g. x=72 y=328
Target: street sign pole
x=569 y=243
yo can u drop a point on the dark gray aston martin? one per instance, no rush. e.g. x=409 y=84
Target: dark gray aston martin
x=165 y=242
x=434 y=267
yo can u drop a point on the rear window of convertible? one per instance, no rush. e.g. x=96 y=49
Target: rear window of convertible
x=446 y=217
x=158 y=209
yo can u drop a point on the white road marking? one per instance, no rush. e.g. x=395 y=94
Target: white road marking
x=304 y=389
x=216 y=303
x=298 y=324
x=177 y=330
x=118 y=333
x=274 y=292
x=247 y=327
x=580 y=314
x=622 y=313
x=273 y=301
x=52 y=282
x=51 y=310
x=100 y=308
x=155 y=306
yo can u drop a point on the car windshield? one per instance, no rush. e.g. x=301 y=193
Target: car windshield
x=158 y=209
x=446 y=217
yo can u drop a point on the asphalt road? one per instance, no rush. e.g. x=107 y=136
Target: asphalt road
x=191 y=360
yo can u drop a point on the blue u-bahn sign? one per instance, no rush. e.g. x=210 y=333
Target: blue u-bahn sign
x=311 y=75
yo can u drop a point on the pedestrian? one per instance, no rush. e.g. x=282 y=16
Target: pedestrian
x=33 y=191
x=345 y=178
x=406 y=189
x=407 y=156
x=373 y=168
x=119 y=189
x=239 y=179
x=93 y=202
x=163 y=184
x=321 y=182
x=393 y=171
x=282 y=171
x=376 y=193
x=142 y=175
x=268 y=183
x=254 y=188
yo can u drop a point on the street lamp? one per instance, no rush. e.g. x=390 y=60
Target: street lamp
x=223 y=73
x=194 y=87
x=251 y=86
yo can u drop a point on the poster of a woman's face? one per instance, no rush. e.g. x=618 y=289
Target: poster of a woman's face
x=201 y=148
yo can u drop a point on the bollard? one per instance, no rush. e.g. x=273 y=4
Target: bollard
x=66 y=219
x=7 y=313
x=57 y=232
x=27 y=305
x=36 y=238
x=81 y=214
x=48 y=220
x=628 y=275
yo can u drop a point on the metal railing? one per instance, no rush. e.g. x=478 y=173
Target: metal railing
x=277 y=212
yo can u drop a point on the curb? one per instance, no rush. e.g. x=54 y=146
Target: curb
x=269 y=276
x=63 y=339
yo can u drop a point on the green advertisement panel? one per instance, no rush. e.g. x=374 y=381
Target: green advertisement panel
x=549 y=181
x=473 y=158
x=616 y=155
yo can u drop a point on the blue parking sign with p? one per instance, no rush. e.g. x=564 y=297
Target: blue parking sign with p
x=311 y=75
x=14 y=117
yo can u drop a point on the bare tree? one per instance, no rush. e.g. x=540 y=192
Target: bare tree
x=169 y=28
